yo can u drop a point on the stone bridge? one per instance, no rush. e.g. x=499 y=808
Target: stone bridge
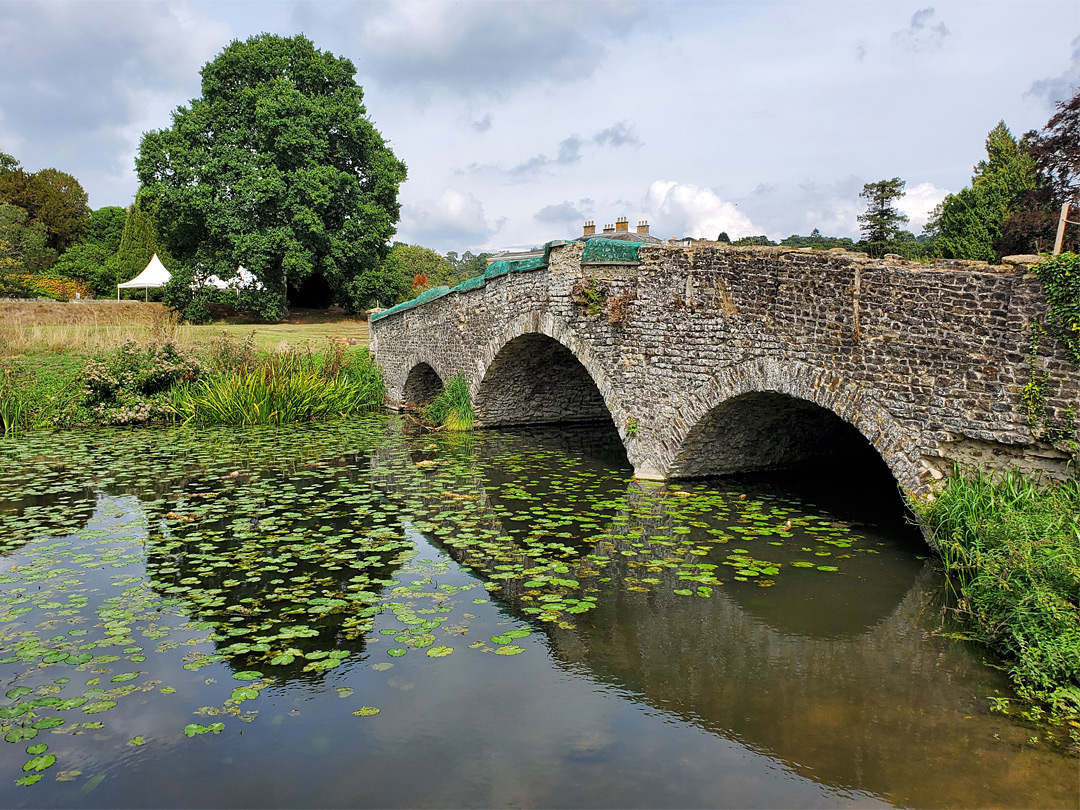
x=711 y=359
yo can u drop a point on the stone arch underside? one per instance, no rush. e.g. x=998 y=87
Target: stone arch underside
x=768 y=414
x=421 y=385
x=535 y=373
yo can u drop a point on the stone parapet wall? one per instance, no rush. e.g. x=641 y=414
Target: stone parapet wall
x=928 y=362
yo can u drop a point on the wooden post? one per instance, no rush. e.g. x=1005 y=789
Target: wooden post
x=1061 y=228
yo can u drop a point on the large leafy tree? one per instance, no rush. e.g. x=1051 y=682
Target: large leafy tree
x=276 y=168
x=881 y=222
x=25 y=247
x=968 y=224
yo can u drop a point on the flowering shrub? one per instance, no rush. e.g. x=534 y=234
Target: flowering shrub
x=132 y=385
x=58 y=288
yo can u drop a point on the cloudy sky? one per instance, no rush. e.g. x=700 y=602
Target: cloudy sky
x=519 y=120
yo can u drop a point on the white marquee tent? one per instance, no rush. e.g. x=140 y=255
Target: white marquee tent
x=154 y=275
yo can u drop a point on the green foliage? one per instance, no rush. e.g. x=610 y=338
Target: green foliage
x=1060 y=277
x=1012 y=547
x=133 y=384
x=466 y=266
x=754 y=241
x=277 y=168
x=881 y=222
x=23 y=244
x=94 y=258
x=288 y=387
x=452 y=407
x=50 y=197
x=817 y=241
x=968 y=224
x=139 y=241
x=405 y=263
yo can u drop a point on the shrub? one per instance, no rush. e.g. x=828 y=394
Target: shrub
x=132 y=384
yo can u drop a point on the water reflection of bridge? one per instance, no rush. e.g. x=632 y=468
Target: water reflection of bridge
x=844 y=679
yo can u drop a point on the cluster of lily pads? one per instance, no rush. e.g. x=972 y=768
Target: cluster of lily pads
x=274 y=551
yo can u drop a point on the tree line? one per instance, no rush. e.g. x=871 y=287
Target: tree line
x=277 y=167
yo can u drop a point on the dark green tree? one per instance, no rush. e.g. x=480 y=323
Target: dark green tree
x=51 y=197
x=468 y=265
x=26 y=244
x=276 y=168
x=968 y=224
x=817 y=241
x=881 y=222
x=754 y=241
x=7 y=163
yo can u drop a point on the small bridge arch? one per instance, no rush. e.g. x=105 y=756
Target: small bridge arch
x=535 y=370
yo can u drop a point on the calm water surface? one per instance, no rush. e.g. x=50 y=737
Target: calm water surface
x=349 y=616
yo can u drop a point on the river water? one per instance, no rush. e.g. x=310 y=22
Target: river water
x=351 y=615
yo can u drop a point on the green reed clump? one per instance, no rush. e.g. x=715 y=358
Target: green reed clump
x=292 y=386
x=1012 y=547
x=452 y=407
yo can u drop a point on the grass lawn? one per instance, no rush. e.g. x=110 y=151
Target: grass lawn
x=84 y=328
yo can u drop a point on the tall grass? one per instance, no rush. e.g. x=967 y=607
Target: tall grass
x=86 y=329
x=289 y=387
x=452 y=407
x=1011 y=546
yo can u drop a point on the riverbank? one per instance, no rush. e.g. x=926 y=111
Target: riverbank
x=112 y=378
x=1010 y=547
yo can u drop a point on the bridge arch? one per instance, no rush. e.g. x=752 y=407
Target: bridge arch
x=535 y=370
x=422 y=384
x=799 y=408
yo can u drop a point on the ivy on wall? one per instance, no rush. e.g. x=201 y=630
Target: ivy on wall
x=1060 y=277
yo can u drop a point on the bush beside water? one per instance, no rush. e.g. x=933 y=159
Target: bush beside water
x=1011 y=546
x=452 y=407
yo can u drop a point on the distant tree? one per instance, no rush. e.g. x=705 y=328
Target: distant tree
x=752 y=241
x=139 y=240
x=7 y=163
x=278 y=168
x=723 y=237
x=817 y=241
x=467 y=265
x=1031 y=227
x=881 y=222
x=404 y=264
x=94 y=258
x=26 y=249
x=968 y=224
x=51 y=197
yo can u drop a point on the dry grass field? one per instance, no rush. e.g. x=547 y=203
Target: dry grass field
x=88 y=327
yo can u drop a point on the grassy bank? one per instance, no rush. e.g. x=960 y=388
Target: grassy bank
x=223 y=380
x=1011 y=548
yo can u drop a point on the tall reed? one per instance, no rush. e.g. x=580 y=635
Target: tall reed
x=290 y=387
x=452 y=407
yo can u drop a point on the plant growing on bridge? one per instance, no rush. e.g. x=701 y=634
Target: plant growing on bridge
x=588 y=292
x=452 y=407
x=1060 y=277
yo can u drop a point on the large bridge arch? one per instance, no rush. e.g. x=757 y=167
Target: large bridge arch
x=536 y=370
x=777 y=395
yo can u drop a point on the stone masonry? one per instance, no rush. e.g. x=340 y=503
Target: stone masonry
x=713 y=359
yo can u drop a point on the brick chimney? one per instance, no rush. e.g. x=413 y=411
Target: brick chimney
x=590 y=228
x=609 y=229
x=643 y=226
x=621 y=225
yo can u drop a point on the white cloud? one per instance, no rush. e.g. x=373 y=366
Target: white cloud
x=454 y=221
x=683 y=209
x=918 y=202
